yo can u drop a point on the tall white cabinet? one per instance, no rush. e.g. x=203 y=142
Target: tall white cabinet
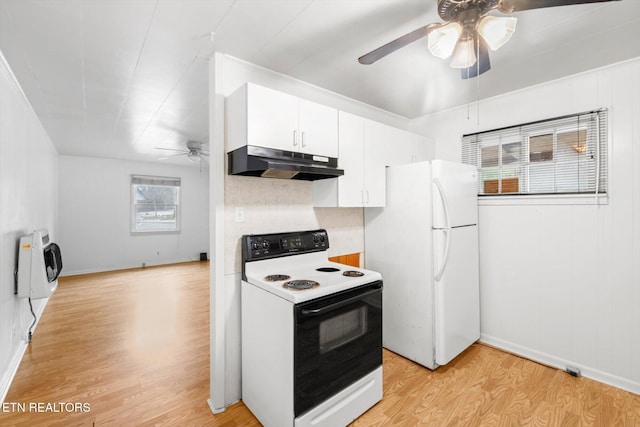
x=265 y=117
x=365 y=149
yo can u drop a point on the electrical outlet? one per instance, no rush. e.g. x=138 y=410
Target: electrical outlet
x=239 y=214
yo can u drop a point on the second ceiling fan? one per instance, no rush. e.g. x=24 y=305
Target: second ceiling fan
x=469 y=31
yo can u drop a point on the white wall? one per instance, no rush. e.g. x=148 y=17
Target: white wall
x=560 y=283
x=270 y=205
x=95 y=208
x=28 y=201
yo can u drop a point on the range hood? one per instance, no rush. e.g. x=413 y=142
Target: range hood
x=272 y=163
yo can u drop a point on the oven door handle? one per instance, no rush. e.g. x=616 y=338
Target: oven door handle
x=326 y=309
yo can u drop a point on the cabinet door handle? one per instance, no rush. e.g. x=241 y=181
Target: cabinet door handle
x=295 y=138
x=367 y=196
x=362 y=197
x=302 y=139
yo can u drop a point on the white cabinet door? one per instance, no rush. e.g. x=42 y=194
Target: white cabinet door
x=399 y=146
x=375 y=161
x=363 y=157
x=272 y=118
x=318 y=129
x=422 y=148
x=350 y=159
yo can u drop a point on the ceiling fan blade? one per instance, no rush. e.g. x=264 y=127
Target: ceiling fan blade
x=170 y=149
x=482 y=65
x=173 y=155
x=508 y=6
x=396 y=44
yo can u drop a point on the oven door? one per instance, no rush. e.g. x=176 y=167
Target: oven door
x=338 y=340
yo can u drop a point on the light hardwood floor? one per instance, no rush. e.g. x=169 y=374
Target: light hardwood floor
x=134 y=345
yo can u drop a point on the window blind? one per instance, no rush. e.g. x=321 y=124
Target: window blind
x=564 y=155
x=155 y=180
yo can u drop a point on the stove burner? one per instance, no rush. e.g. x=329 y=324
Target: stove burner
x=327 y=269
x=353 y=273
x=300 y=285
x=276 y=277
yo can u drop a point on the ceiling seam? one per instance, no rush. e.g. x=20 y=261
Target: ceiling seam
x=155 y=113
x=135 y=68
x=84 y=80
x=262 y=46
x=224 y=16
x=31 y=70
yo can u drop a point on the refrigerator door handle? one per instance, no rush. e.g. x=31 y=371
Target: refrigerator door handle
x=447 y=241
x=443 y=197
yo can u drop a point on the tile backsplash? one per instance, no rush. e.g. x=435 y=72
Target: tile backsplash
x=275 y=205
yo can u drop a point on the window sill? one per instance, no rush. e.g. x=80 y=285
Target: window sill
x=560 y=199
x=143 y=233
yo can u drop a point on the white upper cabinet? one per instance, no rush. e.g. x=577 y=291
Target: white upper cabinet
x=407 y=147
x=269 y=118
x=350 y=159
x=318 y=127
x=366 y=148
x=378 y=151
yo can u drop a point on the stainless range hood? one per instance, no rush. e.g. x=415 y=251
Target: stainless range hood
x=272 y=163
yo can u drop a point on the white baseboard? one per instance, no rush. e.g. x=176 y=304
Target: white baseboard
x=215 y=411
x=560 y=363
x=123 y=267
x=10 y=373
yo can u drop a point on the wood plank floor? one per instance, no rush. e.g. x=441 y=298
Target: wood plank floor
x=134 y=345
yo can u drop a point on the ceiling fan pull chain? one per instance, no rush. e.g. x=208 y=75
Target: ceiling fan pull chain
x=478 y=79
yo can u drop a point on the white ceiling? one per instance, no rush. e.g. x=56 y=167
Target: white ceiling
x=116 y=78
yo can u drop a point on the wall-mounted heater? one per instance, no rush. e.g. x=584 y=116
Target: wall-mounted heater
x=39 y=265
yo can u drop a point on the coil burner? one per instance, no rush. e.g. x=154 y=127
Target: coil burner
x=276 y=277
x=300 y=285
x=327 y=269
x=353 y=273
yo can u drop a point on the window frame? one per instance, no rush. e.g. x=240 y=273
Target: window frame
x=154 y=181
x=596 y=137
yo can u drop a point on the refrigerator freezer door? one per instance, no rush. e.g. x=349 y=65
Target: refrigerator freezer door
x=458 y=183
x=457 y=293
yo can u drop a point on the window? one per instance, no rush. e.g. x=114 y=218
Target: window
x=155 y=204
x=565 y=155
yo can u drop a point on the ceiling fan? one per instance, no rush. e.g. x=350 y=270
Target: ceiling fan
x=468 y=31
x=195 y=151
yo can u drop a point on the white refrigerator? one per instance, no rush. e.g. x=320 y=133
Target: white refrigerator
x=425 y=245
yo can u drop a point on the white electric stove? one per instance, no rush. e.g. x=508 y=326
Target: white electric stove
x=311 y=332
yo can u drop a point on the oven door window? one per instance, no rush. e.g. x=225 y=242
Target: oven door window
x=342 y=329
x=338 y=340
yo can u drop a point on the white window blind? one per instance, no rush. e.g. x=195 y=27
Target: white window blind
x=155 y=203
x=565 y=155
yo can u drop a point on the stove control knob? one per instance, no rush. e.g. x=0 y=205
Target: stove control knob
x=322 y=238
x=255 y=245
x=265 y=244
x=316 y=239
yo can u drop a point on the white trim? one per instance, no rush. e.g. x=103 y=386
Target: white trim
x=6 y=68
x=213 y=409
x=560 y=363
x=9 y=375
x=532 y=199
x=67 y=273
x=318 y=88
x=218 y=399
x=534 y=86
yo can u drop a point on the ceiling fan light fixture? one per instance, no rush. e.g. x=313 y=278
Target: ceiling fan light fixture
x=464 y=54
x=443 y=40
x=496 y=30
x=194 y=157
